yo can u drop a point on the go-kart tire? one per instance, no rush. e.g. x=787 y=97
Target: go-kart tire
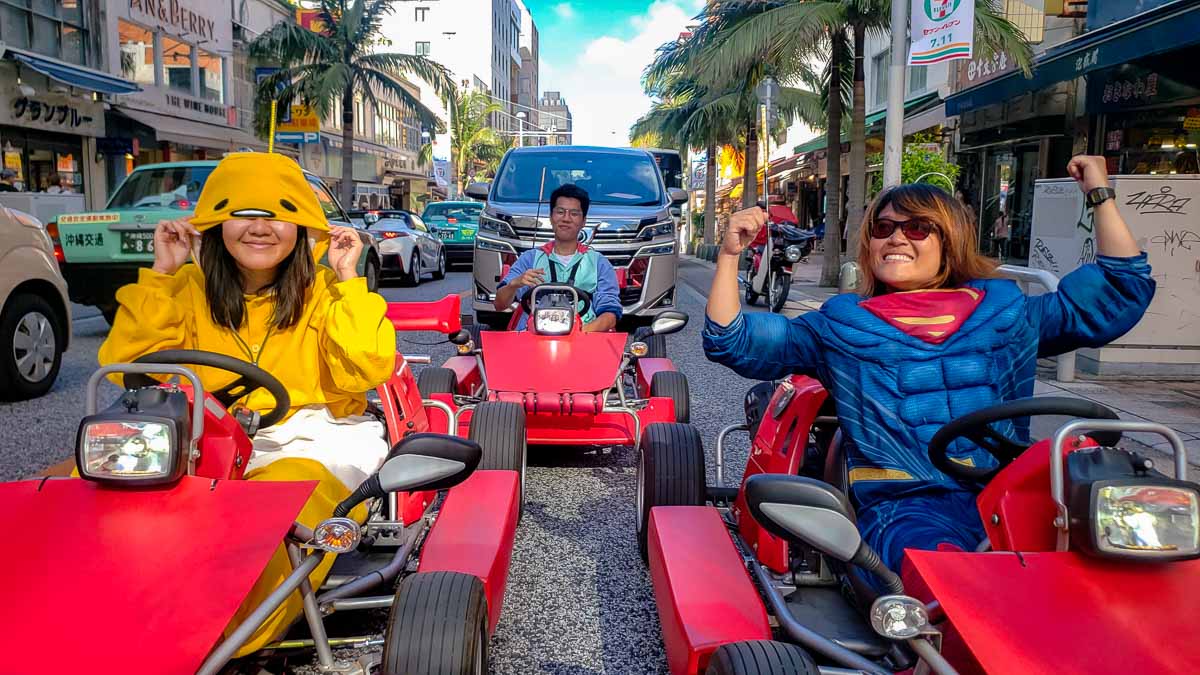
x=33 y=327
x=670 y=472
x=656 y=347
x=499 y=428
x=438 y=626
x=437 y=381
x=673 y=385
x=760 y=657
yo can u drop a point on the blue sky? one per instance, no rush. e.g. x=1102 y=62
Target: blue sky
x=594 y=53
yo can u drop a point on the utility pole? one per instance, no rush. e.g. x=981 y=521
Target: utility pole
x=893 y=138
x=521 y=128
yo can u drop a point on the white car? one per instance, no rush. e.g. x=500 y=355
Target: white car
x=35 y=316
x=407 y=247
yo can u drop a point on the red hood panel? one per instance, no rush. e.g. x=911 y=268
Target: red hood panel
x=1066 y=613
x=141 y=580
x=523 y=361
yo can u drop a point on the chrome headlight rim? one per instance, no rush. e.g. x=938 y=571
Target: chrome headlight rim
x=1110 y=495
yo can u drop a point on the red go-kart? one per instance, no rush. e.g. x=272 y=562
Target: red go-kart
x=141 y=567
x=1089 y=566
x=552 y=384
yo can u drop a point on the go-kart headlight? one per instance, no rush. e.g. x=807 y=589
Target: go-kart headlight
x=1147 y=521
x=899 y=617
x=792 y=253
x=639 y=349
x=129 y=450
x=553 y=320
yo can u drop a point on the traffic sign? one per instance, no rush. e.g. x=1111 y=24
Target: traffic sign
x=297 y=137
x=263 y=72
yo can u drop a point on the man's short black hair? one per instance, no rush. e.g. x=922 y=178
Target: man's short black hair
x=571 y=191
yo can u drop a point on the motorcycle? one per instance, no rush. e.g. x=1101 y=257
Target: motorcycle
x=787 y=245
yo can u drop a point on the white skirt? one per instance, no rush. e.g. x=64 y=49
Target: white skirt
x=352 y=448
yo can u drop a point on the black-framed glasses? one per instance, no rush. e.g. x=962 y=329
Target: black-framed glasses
x=914 y=229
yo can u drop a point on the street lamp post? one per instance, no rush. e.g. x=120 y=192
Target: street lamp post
x=521 y=129
x=893 y=137
x=767 y=92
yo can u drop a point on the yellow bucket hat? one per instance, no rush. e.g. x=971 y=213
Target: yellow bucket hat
x=258 y=185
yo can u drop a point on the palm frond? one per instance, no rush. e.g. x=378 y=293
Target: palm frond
x=435 y=74
x=289 y=43
x=996 y=34
x=370 y=81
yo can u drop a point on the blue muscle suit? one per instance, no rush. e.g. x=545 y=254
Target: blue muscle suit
x=893 y=391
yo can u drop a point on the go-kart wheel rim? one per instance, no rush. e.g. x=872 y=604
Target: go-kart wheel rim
x=34 y=347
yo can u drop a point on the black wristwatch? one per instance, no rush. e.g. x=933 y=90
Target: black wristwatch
x=1097 y=196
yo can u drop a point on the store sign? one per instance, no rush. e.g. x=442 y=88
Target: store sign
x=54 y=113
x=1132 y=86
x=983 y=69
x=302 y=120
x=942 y=30
x=171 y=13
x=312 y=20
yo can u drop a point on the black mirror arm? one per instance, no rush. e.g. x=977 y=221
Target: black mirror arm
x=367 y=489
x=867 y=559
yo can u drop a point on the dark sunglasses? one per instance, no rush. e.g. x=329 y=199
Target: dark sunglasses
x=914 y=229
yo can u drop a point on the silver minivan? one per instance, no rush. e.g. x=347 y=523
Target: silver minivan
x=629 y=222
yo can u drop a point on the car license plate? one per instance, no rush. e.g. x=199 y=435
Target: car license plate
x=137 y=242
x=446 y=234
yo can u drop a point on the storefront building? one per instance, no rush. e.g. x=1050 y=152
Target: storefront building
x=180 y=54
x=52 y=118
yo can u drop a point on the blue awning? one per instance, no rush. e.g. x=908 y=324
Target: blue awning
x=73 y=75
x=1163 y=29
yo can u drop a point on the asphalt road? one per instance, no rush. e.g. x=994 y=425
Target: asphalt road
x=578 y=599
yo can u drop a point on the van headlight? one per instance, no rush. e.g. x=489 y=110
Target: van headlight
x=491 y=245
x=1158 y=521
x=496 y=226
x=657 y=230
x=657 y=249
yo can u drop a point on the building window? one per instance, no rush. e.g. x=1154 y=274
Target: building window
x=212 y=77
x=422 y=49
x=177 y=64
x=917 y=77
x=137 y=52
x=1029 y=16
x=53 y=28
x=420 y=13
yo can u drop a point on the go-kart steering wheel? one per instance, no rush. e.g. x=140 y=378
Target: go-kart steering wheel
x=252 y=378
x=976 y=428
x=584 y=297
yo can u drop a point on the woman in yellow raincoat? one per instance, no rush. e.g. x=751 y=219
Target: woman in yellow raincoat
x=256 y=292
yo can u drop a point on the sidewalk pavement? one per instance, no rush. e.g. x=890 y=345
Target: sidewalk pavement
x=1174 y=404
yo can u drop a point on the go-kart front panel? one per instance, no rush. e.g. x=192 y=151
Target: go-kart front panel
x=704 y=595
x=440 y=316
x=1063 y=613
x=474 y=533
x=105 y=580
x=523 y=361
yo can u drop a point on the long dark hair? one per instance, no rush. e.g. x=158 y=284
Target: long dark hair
x=223 y=282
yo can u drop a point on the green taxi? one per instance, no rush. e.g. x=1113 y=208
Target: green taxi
x=102 y=251
x=455 y=223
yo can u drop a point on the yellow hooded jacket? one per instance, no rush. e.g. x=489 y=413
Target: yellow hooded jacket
x=342 y=346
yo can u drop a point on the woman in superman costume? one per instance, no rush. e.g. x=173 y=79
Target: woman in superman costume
x=930 y=336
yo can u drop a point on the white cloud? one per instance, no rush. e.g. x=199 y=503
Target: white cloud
x=603 y=85
x=564 y=11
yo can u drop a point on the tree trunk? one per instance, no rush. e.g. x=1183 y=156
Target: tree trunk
x=856 y=193
x=710 y=196
x=833 y=169
x=348 y=147
x=750 y=172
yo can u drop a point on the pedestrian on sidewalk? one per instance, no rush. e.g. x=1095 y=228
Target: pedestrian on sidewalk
x=929 y=336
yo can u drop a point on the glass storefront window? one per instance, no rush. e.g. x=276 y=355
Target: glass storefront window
x=177 y=64
x=212 y=77
x=1159 y=142
x=137 y=52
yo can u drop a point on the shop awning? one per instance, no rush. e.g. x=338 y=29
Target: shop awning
x=911 y=105
x=188 y=132
x=1163 y=29
x=73 y=75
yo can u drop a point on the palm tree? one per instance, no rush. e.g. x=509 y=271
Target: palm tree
x=318 y=70
x=793 y=31
x=472 y=139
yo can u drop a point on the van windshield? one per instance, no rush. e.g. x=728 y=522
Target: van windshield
x=609 y=177
x=176 y=187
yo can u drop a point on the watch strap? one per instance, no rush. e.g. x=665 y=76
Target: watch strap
x=1097 y=196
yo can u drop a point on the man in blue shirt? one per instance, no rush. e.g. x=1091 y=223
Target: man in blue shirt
x=566 y=261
